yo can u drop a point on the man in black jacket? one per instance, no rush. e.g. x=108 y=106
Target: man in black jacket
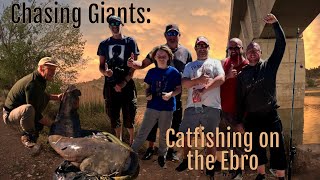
x=257 y=98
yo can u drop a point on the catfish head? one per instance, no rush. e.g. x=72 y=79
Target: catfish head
x=70 y=101
x=67 y=122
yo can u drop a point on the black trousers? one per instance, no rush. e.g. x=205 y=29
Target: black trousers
x=258 y=122
x=125 y=100
x=176 y=121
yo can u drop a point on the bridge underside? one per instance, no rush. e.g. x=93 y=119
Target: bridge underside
x=246 y=23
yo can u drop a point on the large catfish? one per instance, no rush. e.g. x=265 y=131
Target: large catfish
x=102 y=154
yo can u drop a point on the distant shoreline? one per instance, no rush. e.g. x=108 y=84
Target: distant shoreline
x=311 y=89
x=315 y=91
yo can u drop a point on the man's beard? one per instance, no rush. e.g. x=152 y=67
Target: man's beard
x=235 y=56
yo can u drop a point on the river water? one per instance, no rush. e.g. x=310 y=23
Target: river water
x=306 y=122
x=311 y=129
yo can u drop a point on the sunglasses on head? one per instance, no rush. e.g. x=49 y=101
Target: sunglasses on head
x=114 y=23
x=201 y=45
x=172 y=33
x=234 y=48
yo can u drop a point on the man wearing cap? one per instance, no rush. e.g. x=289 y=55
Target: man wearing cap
x=203 y=79
x=256 y=96
x=119 y=89
x=182 y=56
x=232 y=66
x=27 y=99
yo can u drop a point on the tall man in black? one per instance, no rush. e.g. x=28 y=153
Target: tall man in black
x=257 y=97
x=119 y=89
x=181 y=57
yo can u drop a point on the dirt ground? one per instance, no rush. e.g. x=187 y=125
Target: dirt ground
x=16 y=162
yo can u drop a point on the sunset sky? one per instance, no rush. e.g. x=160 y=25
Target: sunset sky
x=209 y=18
x=206 y=17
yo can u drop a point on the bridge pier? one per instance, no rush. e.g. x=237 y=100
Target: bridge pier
x=246 y=23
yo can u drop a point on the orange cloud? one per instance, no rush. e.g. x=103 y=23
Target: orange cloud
x=90 y=72
x=311 y=44
x=207 y=17
x=200 y=12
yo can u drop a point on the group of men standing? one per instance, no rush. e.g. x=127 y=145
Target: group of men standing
x=238 y=92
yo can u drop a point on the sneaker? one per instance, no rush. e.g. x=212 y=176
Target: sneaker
x=175 y=157
x=171 y=155
x=148 y=154
x=261 y=177
x=237 y=175
x=273 y=172
x=182 y=166
x=27 y=142
x=161 y=161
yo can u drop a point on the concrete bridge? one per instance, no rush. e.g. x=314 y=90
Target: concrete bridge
x=247 y=24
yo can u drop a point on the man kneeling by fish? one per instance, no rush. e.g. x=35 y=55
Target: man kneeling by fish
x=27 y=99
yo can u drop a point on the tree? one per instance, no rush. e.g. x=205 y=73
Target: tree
x=311 y=82
x=313 y=72
x=22 y=45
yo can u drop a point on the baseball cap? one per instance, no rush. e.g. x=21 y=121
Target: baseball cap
x=172 y=27
x=202 y=39
x=114 y=19
x=48 y=61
